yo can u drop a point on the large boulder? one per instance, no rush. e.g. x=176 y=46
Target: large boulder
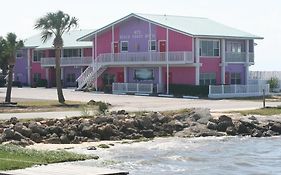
x=36 y=137
x=145 y=123
x=256 y=133
x=223 y=123
x=148 y=133
x=201 y=115
x=8 y=133
x=212 y=125
x=19 y=127
x=64 y=139
x=231 y=130
x=54 y=139
x=106 y=131
x=55 y=129
x=38 y=128
x=276 y=127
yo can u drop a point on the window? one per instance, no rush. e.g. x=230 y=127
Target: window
x=152 y=45
x=236 y=47
x=19 y=54
x=143 y=74
x=37 y=55
x=70 y=78
x=36 y=77
x=72 y=52
x=209 y=48
x=124 y=46
x=235 y=78
x=207 y=78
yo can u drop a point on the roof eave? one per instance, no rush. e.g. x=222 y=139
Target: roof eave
x=228 y=37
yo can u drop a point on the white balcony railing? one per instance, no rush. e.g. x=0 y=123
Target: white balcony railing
x=238 y=57
x=145 y=58
x=67 y=61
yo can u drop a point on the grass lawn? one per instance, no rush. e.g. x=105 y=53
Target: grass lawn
x=263 y=111
x=45 y=106
x=14 y=157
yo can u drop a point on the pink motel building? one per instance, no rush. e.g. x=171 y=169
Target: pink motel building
x=143 y=52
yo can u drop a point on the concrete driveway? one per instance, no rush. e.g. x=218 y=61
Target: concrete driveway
x=137 y=103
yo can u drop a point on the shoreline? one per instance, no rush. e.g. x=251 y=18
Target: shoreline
x=121 y=125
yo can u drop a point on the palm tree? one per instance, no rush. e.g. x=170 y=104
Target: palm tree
x=55 y=24
x=11 y=45
x=3 y=59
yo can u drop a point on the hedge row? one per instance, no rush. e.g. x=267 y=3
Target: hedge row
x=189 y=90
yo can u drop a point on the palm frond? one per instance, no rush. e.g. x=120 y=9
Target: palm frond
x=45 y=35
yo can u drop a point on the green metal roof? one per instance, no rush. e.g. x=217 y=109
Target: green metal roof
x=194 y=26
x=198 y=26
x=69 y=40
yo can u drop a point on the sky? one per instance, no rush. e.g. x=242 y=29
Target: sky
x=259 y=17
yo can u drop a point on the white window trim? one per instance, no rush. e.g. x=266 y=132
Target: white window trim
x=149 y=45
x=211 y=40
x=37 y=55
x=121 y=46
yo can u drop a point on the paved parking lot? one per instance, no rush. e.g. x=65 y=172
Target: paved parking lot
x=137 y=103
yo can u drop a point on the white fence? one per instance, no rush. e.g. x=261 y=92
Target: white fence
x=132 y=88
x=262 y=77
x=230 y=91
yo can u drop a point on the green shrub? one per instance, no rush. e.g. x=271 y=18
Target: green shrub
x=191 y=90
x=273 y=83
x=42 y=83
x=107 y=89
x=17 y=84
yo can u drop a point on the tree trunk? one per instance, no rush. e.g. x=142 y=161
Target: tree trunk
x=58 y=76
x=9 y=84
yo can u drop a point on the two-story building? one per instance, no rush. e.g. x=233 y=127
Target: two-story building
x=142 y=51
x=36 y=61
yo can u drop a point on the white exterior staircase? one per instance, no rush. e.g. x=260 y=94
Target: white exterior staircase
x=89 y=76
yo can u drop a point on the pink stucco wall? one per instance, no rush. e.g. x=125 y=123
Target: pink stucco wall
x=179 y=42
x=211 y=65
x=87 y=52
x=160 y=33
x=179 y=75
x=104 y=42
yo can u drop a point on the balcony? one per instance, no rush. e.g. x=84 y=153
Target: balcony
x=145 y=58
x=67 y=61
x=238 y=57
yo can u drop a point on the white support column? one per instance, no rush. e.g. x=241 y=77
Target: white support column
x=223 y=61
x=197 y=61
x=28 y=67
x=149 y=42
x=167 y=59
x=47 y=75
x=125 y=75
x=193 y=51
x=95 y=65
x=112 y=42
x=160 y=75
x=247 y=63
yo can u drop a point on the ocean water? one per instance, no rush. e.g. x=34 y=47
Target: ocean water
x=195 y=156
